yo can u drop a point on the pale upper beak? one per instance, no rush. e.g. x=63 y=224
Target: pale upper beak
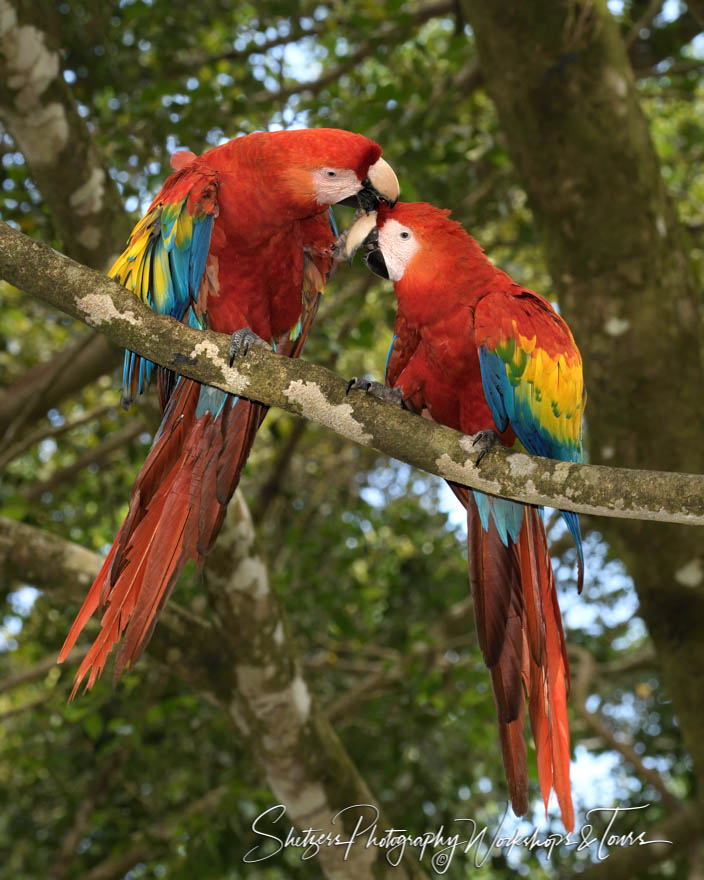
x=383 y=181
x=355 y=236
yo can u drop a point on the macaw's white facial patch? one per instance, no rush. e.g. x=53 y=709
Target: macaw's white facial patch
x=332 y=185
x=398 y=245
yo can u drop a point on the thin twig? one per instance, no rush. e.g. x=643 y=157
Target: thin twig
x=643 y=22
x=39 y=670
x=99 y=455
x=586 y=670
x=50 y=431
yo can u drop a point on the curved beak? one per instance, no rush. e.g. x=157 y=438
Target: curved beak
x=380 y=185
x=362 y=227
x=382 y=181
x=363 y=233
x=359 y=233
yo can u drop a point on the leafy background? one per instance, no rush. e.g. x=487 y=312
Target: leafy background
x=366 y=555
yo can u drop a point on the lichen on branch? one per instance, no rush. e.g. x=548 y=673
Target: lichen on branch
x=321 y=396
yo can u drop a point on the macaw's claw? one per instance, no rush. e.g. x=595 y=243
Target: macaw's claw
x=376 y=389
x=357 y=384
x=483 y=441
x=241 y=342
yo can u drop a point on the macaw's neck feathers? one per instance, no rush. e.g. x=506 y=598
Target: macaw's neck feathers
x=521 y=638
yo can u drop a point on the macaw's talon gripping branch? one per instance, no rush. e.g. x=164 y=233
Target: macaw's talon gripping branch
x=237 y=239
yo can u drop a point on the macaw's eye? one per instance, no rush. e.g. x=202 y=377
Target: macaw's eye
x=405 y=235
x=331 y=173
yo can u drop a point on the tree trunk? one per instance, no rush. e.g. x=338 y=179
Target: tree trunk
x=38 y=109
x=565 y=95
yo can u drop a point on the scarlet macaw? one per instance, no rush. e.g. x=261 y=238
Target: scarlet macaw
x=482 y=354
x=238 y=240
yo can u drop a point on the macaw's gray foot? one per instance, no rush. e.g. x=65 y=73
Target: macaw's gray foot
x=241 y=342
x=483 y=441
x=376 y=389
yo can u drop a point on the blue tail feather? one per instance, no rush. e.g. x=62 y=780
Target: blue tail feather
x=213 y=400
x=507 y=515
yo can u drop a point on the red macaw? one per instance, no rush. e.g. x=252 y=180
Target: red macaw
x=238 y=240
x=476 y=351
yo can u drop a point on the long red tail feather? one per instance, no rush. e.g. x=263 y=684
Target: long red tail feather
x=555 y=675
x=520 y=634
x=177 y=506
x=179 y=499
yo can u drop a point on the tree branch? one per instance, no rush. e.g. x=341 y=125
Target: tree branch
x=99 y=454
x=320 y=396
x=46 y=664
x=586 y=669
x=385 y=36
x=628 y=753
x=248 y=661
x=43 y=433
x=49 y=382
x=680 y=828
x=149 y=843
x=30 y=555
x=40 y=113
x=643 y=22
x=190 y=61
x=24 y=707
x=296 y=748
x=110 y=768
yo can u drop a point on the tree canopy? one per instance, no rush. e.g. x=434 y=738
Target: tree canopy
x=566 y=137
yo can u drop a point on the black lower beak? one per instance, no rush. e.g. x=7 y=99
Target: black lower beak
x=349 y=202
x=375 y=258
x=375 y=261
x=367 y=198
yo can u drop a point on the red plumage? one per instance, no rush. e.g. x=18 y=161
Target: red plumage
x=237 y=238
x=476 y=351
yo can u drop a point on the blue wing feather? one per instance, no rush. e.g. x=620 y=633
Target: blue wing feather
x=514 y=388
x=388 y=356
x=164 y=264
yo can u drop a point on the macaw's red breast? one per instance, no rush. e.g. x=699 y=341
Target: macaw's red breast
x=270 y=236
x=262 y=287
x=438 y=371
x=259 y=288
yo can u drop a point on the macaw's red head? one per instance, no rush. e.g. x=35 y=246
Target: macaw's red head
x=409 y=239
x=313 y=168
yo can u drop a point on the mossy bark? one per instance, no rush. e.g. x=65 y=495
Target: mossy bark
x=319 y=395
x=566 y=99
x=39 y=111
